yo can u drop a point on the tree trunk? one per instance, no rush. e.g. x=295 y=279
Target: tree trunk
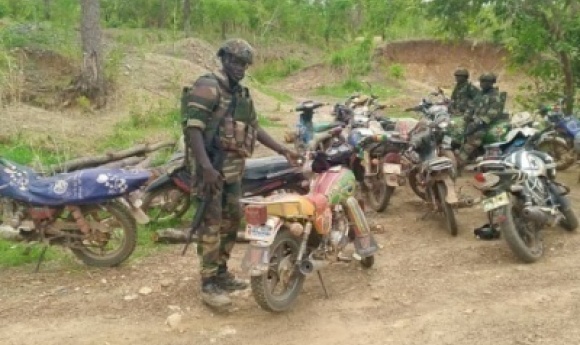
x=187 y=17
x=569 y=88
x=92 y=80
x=224 y=29
x=47 y=9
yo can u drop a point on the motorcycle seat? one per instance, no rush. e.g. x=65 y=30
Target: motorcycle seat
x=439 y=163
x=322 y=127
x=261 y=168
x=79 y=187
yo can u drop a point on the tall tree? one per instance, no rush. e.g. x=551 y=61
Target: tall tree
x=187 y=17
x=92 y=82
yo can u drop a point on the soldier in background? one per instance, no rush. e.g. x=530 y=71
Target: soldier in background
x=487 y=110
x=218 y=117
x=463 y=94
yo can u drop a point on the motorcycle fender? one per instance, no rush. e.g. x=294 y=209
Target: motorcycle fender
x=451 y=196
x=364 y=242
x=392 y=171
x=392 y=180
x=551 y=136
x=256 y=258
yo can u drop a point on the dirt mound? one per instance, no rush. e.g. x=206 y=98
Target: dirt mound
x=194 y=50
x=433 y=62
x=38 y=77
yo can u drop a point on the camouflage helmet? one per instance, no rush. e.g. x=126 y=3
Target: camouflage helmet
x=461 y=72
x=238 y=48
x=488 y=77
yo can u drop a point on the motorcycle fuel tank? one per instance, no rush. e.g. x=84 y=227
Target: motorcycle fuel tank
x=338 y=184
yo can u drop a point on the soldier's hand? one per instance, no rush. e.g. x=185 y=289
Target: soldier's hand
x=211 y=179
x=292 y=157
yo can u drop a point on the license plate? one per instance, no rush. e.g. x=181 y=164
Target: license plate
x=497 y=201
x=263 y=233
x=447 y=140
x=390 y=168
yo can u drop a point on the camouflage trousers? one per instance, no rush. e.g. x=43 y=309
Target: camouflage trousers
x=472 y=143
x=217 y=236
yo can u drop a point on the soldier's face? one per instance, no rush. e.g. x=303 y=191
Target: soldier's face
x=485 y=85
x=235 y=67
x=460 y=79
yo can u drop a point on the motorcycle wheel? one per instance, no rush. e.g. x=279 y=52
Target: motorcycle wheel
x=447 y=209
x=167 y=203
x=367 y=262
x=562 y=154
x=283 y=272
x=523 y=237
x=570 y=221
x=98 y=248
x=414 y=183
x=379 y=194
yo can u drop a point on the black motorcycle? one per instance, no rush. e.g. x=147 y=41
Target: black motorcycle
x=168 y=196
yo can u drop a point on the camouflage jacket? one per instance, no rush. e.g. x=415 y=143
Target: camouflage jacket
x=462 y=97
x=488 y=107
x=207 y=105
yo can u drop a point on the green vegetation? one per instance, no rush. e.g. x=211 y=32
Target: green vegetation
x=276 y=70
x=350 y=86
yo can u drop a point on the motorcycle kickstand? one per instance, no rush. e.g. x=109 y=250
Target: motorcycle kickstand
x=322 y=284
x=40 y=258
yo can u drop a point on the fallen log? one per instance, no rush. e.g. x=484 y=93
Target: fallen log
x=92 y=161
x=122 y=163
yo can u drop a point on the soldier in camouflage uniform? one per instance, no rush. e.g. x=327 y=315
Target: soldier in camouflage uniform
x=463 y=94
x=217 y=105
x=487 y=110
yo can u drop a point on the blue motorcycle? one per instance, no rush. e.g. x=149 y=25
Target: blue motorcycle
x=87 y=211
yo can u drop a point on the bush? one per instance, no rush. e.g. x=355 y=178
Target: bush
x=276 y=70
x=355 y=59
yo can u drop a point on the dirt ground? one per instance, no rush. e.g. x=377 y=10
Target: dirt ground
x=425 y=288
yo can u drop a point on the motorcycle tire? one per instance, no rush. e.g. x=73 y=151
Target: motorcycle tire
x=570 y=221
x=447 y=209
x=379 y=196
x=564 y=156
x=414 y=183
x=123 y=219
x=184 y=203
x=367 y=262
x=512 y=229
x=262 y=285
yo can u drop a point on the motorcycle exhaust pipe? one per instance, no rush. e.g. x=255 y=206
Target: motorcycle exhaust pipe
x=540 y=216
x=310 y=266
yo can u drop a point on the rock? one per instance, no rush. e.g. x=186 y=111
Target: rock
x=376 y=297
x=227 y=330
x=130 y=297
x=166 y=283
x=145 y=290
x=469 y=311
x=104 y=281
x=174 y=308
x=174 y=321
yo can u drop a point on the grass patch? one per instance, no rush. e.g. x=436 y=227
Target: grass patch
x=276 y=70
x=350 y=86
x=14 y=254
x=40 y=35
x=355 y=59
x=279 y=96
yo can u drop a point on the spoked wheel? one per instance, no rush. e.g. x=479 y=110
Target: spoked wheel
x=166 y=204
x=416 y=186
x=112 y=235
x=447 y=209
x=562 y=154
x=278 y=289
x=522 y=236
x=379 y=194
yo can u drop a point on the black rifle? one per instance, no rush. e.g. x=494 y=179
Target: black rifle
x=216 y=156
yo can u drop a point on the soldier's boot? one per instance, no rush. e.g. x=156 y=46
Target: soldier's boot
x=228 y=281
x=213 y=295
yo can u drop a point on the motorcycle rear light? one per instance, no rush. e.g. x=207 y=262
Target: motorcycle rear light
x=256 y=215
x=375 y=161
x=480 y=177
